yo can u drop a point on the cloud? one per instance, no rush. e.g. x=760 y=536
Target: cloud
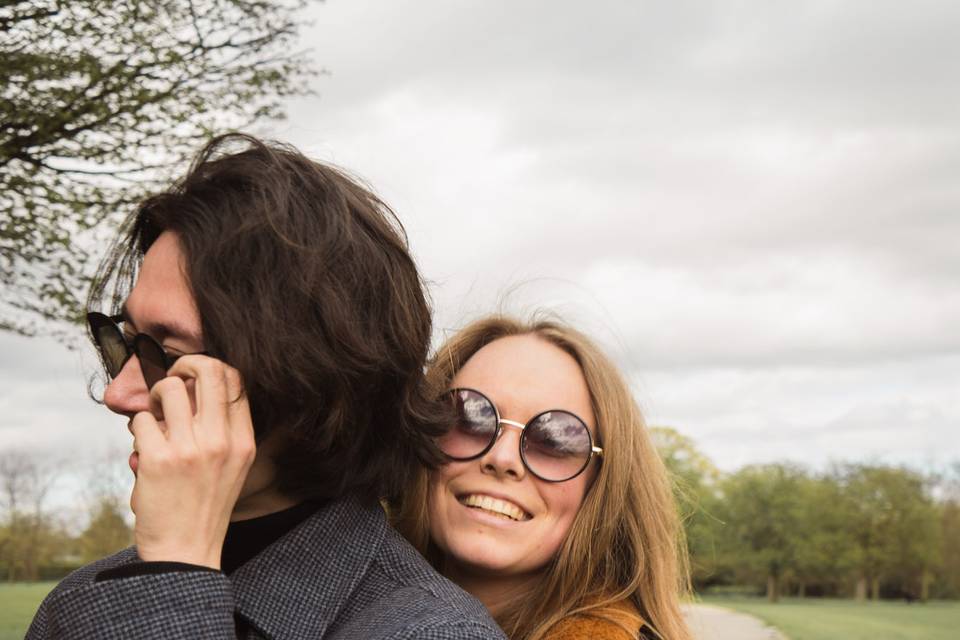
x=815 y=308
x=677 y=132
x=726 y=194
x=44 y=401
x=900 y=412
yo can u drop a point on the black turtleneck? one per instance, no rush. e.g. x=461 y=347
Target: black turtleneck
x=244 y=540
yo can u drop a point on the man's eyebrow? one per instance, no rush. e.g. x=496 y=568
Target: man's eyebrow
x=160 y=330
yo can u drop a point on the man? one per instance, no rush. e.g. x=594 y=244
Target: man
x=269 y=359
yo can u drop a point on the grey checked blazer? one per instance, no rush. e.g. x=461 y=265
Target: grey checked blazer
x=342 y=574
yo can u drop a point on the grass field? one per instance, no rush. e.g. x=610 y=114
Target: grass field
x=810 y=619
x=815 y=619
x=18 y=603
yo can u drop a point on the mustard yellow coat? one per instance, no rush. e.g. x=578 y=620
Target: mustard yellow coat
x=588 y=628
x=601 y=626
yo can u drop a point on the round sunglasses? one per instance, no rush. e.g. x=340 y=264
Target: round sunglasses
x=555 y=445
x=115 y=349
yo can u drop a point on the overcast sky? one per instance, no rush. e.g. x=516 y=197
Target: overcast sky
x=752 y=205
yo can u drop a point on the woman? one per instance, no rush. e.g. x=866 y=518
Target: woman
x=554 y=509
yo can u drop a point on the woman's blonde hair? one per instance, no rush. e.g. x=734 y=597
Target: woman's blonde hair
x=626 y=544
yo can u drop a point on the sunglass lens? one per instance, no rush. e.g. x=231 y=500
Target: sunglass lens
x=475 y=427
x=112 y=348
x=153 y=361
x=556 y=445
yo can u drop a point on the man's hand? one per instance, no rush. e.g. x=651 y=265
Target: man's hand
x=193 y=461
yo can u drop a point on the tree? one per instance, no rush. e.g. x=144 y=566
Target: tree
x=106 y=493
x=107 y=532
x=688 y=466
x=762 y=508
x=98 y=100
x=28 y=538
x=896 y=528
x=827 y=553
x=948 y=573
x=695 y=481
x=945 y=579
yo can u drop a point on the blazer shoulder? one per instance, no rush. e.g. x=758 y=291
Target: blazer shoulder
x=402 y=596
x=88 y=573
x=83 y=576
x=399 y=562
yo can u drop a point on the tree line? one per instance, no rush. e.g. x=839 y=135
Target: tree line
x=38 y=542
x=854 y=530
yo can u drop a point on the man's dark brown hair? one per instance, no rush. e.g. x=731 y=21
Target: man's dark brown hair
x=304 y=283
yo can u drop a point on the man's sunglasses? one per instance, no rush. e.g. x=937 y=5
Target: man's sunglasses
x=115 y=349
x=555 y=445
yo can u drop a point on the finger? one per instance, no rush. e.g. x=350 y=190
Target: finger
x=169 y=399
x=214 y=431
x=210 y=387
x=238 y=406
x=241 y=431
x=150 y=440
x=234 y=384
x=133 y=499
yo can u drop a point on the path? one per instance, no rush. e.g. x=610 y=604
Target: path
x=708 y=622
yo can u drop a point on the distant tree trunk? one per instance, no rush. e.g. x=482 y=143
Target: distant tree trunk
x=861 y=593
x=802 y=589
x=875 y=589
x=772 y=593
x=925 y=581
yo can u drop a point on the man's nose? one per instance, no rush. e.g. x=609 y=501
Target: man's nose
x=127 y=393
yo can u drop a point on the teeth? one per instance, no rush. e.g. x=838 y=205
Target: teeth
x=493 y=505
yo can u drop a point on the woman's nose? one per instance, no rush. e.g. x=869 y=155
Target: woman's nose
x=503 y=459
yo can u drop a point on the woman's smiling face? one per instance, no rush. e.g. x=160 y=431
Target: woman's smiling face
x=490 y=515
